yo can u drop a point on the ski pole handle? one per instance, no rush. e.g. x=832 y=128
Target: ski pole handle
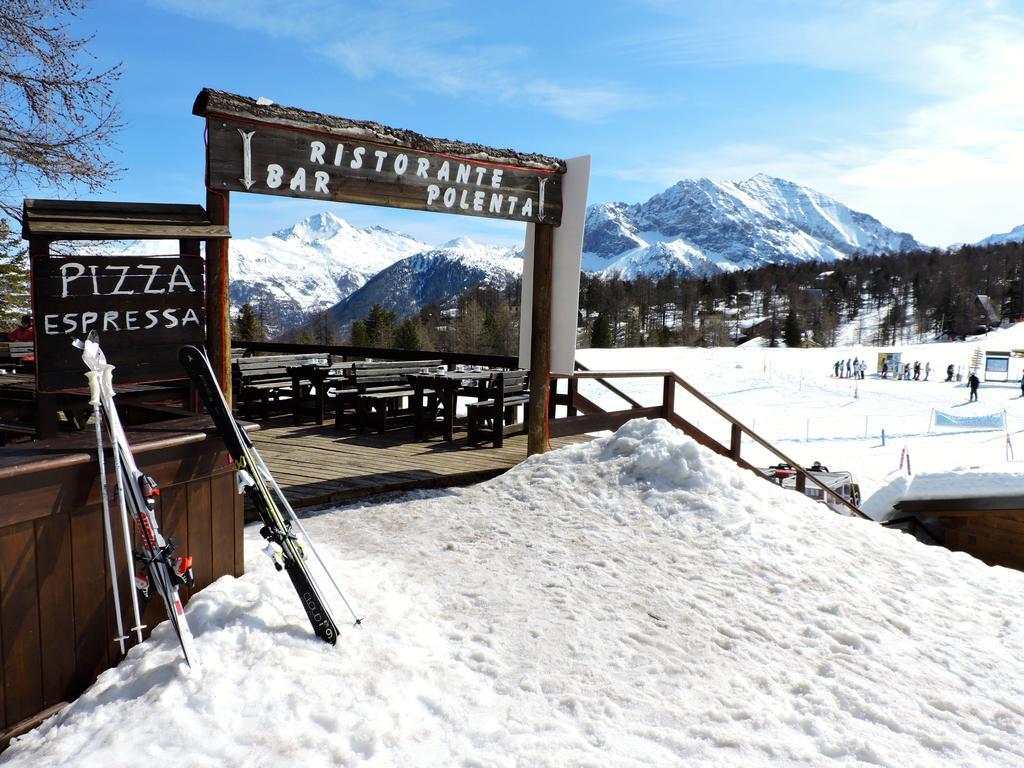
x=108 y=379
x=94 y=387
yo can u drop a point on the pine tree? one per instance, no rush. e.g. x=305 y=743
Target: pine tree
x=410 y=335
x=792 y=333
x=470 y=334
x=601 y=332
x=360 y=338
x=14 y=287
x=248 y=326
x=380 y=326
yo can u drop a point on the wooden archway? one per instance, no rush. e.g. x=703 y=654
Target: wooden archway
x=259 y=147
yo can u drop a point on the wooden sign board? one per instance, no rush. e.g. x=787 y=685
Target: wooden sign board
x=275 y=160
x=144 y=308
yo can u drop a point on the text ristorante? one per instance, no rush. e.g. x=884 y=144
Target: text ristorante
x=281 y=161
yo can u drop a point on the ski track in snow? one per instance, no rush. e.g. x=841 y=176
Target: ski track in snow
x=634 y=601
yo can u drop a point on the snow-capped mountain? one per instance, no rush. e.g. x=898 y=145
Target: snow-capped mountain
x=696 y=227
x=700 y=227
x=441 y=274
x=1015 y=235
x=315 y=263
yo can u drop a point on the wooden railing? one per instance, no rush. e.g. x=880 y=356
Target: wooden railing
x=583 y=415
x=348 y=352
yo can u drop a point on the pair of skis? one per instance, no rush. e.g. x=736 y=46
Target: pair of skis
x=255 y=480
x=159 y=569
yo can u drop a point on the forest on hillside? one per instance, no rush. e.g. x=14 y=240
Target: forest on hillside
x=898 y=298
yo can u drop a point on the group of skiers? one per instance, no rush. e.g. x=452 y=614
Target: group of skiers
x=854 y=369
x=906 y=372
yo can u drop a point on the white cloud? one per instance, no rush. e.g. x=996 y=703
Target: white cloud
x=947 y=167
x=421 y=45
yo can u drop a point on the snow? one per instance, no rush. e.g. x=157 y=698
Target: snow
x=952 y=484
x=791 y=398
x=701 y=227
x=632 y=601
x=318 y=261
x=1015 y=235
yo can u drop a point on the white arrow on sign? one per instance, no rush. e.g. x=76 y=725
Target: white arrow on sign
x=247 y=158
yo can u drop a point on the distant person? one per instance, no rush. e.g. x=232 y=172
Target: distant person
x=906 y=371
x=972 y=382
x=949 y=372
x=836 y=369
x=917 y=370
x=863 y=368
x=885 y=370
x=847 y=369
x=927 y=370
x=1022 y=385
x=24 y=332
x=818 y=467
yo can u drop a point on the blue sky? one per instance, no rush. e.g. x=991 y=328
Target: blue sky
x=908 y=110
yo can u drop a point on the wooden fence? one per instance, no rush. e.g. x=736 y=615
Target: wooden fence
x=56 y=603
x=583 y=415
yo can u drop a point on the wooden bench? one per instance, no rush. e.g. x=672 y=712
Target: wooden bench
x=19 y=429
x=376 y=389
x=264 y=380
x=495 y=417
x=13 y=353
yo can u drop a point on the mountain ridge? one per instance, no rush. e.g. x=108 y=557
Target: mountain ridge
x=695 y=227
x=700 y=227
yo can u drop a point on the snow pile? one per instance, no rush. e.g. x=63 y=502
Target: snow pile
x=633 y=601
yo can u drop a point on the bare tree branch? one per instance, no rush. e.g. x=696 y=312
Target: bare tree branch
x=58 y=115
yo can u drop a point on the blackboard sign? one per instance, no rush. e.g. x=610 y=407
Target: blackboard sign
x=273 y=160
x=144 y=308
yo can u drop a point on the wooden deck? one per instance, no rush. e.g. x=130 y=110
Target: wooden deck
x=320 y=465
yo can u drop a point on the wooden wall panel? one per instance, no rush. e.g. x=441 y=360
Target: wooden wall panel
x=238 y=505
x=57 y=621
x=89 y=583
x=222 y=518
x=125 y=585
x=19 y=615
x=174 y=523
x=200 y=532
x=56 y=607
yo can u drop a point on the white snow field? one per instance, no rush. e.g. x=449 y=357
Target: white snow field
x=792 y=398
x=633 y=601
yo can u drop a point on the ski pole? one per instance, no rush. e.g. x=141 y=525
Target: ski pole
x=107 y=394
x=94 y=401
x=265 y=472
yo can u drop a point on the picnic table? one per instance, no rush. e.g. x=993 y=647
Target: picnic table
x=25 y=411
x=320 y=378
x=436 y=394
x=17 y=405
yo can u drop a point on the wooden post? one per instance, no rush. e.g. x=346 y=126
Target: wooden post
x=735 y=441
x=218 y=320
x=192 y=247
x=47 y=422
x=540 y=341
x=668 y=397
